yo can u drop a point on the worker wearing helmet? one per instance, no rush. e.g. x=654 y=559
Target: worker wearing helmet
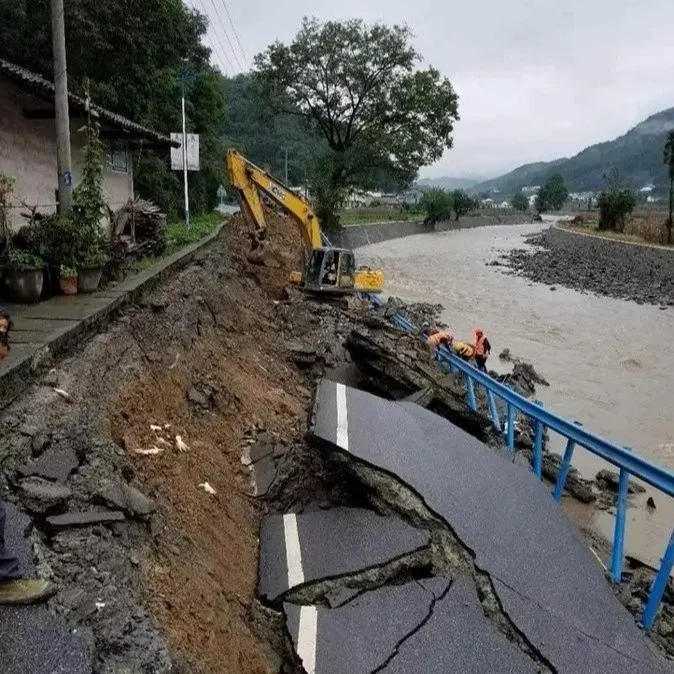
x=438 y=338
x=482 y=349
x=463 y=350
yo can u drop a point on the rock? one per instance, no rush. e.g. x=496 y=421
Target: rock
x=84 y=519
x=126 y=498
x=651 y=502
x=505 y=356
x=39 y=495
x=197 y=398
x=553 y=288
x=54 y=464
x=609 y=481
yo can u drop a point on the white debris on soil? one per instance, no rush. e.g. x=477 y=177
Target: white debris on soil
x=207 y=488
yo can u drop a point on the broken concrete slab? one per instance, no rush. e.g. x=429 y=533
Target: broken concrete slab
x=40 y=495
x=126 y=498
x=264 y=474
x=459 y=638
x=498 y=511
x=299 y=549
x=84 y=519
x=361 y=636
x=55 y=465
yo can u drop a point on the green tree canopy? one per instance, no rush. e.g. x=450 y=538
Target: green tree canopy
x=463 y=203
x=437 y=205
x=669 y=160
x=520 y=202
x=552 y=195
x=359 y=86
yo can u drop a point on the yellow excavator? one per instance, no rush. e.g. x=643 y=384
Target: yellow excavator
x=326 y=269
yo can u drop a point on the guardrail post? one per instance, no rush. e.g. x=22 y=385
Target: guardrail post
x=564 y=468
x=511 y=427
x=470 y=391
x=538 y=445
x=493 y=411
x=659 y=585
x=619 y=530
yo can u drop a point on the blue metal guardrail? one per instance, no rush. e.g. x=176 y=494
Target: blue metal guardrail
x=623 y=458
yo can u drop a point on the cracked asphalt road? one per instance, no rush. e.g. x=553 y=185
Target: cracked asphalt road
x=547 y=583
x=55 y=648
x=297 y=549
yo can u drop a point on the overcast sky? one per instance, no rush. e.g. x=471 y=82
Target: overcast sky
x=537 y=79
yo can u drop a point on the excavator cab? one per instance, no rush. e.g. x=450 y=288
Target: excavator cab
x=330 y=270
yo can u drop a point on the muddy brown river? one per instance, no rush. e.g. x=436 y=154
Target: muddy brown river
x=609 y=362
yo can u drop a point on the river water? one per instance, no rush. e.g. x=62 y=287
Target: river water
x=608 y=362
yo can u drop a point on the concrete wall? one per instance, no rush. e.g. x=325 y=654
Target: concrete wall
x=362 y=235
x=28 y=152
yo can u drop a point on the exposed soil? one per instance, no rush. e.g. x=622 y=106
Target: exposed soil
x=225 y=357
x=599 y=265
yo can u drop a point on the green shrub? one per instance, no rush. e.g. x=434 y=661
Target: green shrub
x=437 y=205
x=21 y=260
x=615 y=204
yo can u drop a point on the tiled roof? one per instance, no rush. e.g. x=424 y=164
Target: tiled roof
x=38 y=85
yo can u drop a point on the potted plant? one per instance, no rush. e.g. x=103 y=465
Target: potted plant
x=68 y=280
x=90 y=268
x=23 y=274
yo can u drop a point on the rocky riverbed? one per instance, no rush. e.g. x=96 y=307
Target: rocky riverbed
x=598 y=265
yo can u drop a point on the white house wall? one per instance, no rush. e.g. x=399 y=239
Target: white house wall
x=28 y=152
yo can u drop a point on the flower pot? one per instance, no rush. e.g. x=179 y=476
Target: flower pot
x=68 y=286
x=25 y=286
x=89 y=279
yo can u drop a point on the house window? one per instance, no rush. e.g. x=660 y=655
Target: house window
x=118 y=159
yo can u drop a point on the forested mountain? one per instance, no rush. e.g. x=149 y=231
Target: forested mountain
x=264 y=138
x=638 y=156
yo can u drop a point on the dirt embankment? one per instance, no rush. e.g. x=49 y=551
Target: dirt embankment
x=211 y=372
x=597 y=265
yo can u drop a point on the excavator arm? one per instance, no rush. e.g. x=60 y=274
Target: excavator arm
x=249 y=180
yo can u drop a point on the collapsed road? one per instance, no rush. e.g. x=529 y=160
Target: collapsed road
x=158 y=574
x=502 y=581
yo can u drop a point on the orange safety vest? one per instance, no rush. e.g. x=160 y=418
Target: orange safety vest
x=479 y=346
x=436 y=339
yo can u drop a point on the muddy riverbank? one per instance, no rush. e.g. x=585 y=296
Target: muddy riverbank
x=592 y=264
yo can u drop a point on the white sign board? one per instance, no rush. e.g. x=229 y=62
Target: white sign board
x=192 y=152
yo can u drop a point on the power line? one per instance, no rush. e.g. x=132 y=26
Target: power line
x=236 y=34
x=224 y=28
x=216 y=44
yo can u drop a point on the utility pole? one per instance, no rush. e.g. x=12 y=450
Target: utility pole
x=286 y=173
x=187 y=196
x=63 y=158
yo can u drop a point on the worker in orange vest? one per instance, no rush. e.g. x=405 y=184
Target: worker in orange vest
x=438 y=338
x=482 y=349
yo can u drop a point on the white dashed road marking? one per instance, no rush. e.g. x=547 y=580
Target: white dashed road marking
x=342 y=421
x=306 y=637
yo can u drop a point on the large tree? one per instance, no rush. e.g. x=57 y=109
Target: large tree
x=520 y=202
x=360 y=86
x=552 y=195
x=669 y=160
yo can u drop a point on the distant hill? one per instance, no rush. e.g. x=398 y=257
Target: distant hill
x=637 y=155
x=449 y=183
